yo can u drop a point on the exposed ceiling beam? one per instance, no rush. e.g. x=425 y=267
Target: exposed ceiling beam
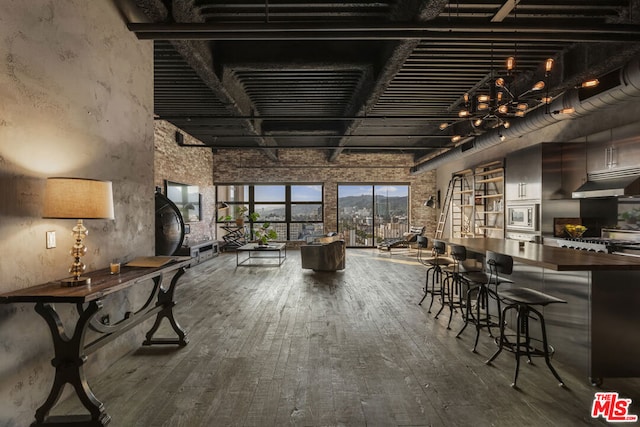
x=320 y=147
x=320 y=135
x=199 y=31
x=505 y=10
x=192 y=118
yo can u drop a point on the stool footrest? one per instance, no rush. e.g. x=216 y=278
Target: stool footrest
x=511 y=346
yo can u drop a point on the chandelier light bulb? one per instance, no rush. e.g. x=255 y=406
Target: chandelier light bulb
x=520 y=113
x=548 y=65
x=522 y=106
x=477 y=122
x=443 y=126
x=546 y=99
x=503 y=109
x=466 y=98
x=590 y=83
x=538 y=86
x=506 y=125
x=483 y=106
x=463 y=113
x=456 y=138
x=511 y=63
x=484 y=97
x=500 y=82
x=499 y=96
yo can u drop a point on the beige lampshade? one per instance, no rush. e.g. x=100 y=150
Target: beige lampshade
x=78 y=198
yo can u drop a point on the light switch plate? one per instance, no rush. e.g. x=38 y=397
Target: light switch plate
x=51 y=239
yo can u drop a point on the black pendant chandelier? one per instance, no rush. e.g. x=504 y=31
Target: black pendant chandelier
x=499 y=99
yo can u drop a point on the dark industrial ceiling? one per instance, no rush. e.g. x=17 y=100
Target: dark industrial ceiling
x=363 y=76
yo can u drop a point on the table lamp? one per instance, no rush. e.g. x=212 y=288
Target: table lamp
x=79 y=199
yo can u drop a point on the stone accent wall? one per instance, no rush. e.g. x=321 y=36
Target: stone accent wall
x=77 y=100
x=252 y=166
x=187 y=165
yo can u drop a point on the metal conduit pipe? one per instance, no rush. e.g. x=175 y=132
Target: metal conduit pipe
x=628 y=88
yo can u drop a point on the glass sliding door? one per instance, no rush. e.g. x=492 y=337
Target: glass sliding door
x=391 y=211
x=370 y=213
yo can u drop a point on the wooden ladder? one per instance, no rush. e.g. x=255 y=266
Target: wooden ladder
x=446 y=205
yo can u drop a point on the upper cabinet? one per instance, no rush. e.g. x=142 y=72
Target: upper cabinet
x=614 y=148
x=524 y=174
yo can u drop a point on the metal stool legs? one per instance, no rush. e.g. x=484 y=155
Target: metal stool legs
x=520 y=347
x=436 y=278
x=480 y=316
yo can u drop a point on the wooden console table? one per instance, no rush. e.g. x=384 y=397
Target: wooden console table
x=71 y=351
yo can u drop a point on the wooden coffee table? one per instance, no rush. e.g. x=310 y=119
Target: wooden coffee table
x=262 y=255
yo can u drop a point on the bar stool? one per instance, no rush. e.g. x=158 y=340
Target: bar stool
x=454 y=281
x=480 y=283
x=434 y=264
x=522 y=301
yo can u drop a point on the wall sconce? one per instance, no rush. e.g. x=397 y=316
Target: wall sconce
x=79 y=199
x=430 y=202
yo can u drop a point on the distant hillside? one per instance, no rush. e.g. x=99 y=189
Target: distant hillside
x=395 y=205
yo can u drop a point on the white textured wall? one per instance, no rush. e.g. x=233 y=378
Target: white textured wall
x=76 y=99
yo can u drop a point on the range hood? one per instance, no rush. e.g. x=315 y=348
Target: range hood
x=621 y=183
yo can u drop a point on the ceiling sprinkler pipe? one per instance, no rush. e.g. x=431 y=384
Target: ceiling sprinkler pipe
x=628 y=88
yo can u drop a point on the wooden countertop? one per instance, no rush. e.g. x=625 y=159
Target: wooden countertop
x=553 y=258
x=102 y=284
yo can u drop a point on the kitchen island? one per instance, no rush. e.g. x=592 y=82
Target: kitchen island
x=596 y=332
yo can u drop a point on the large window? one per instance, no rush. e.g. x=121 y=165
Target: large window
x=294 y=211
x=370 y=213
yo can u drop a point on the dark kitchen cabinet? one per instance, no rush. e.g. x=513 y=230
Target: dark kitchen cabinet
x=524 y=174
x=613 y=149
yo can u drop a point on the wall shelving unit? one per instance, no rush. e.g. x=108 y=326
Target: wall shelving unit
x=478 y=202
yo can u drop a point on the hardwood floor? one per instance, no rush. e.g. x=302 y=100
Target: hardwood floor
x=275 y=346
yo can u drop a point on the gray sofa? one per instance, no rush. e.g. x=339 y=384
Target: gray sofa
x=325 y=254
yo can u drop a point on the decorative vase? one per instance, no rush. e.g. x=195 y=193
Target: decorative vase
x=239 y=222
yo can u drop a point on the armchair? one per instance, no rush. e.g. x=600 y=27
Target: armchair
x=327 y=254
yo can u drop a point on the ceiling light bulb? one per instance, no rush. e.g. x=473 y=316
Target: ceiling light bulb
x=522 y=106
x=500 y=82
x=538 y=86
x=511 y=63
x=443 y=126
x=463 y=113
x=503 y=109
x=483 y=98
x=590 y=83
x=483 y=106
x=506 y=125
x=548 y=65
x=456 y=138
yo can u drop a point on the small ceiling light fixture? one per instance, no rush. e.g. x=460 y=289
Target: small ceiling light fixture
x=568 y=110
x=79 y=199
x=590 y=83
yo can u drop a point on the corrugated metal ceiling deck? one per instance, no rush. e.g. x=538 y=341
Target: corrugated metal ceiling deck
x=306 y=74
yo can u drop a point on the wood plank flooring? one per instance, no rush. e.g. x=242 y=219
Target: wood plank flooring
x=276 y=346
